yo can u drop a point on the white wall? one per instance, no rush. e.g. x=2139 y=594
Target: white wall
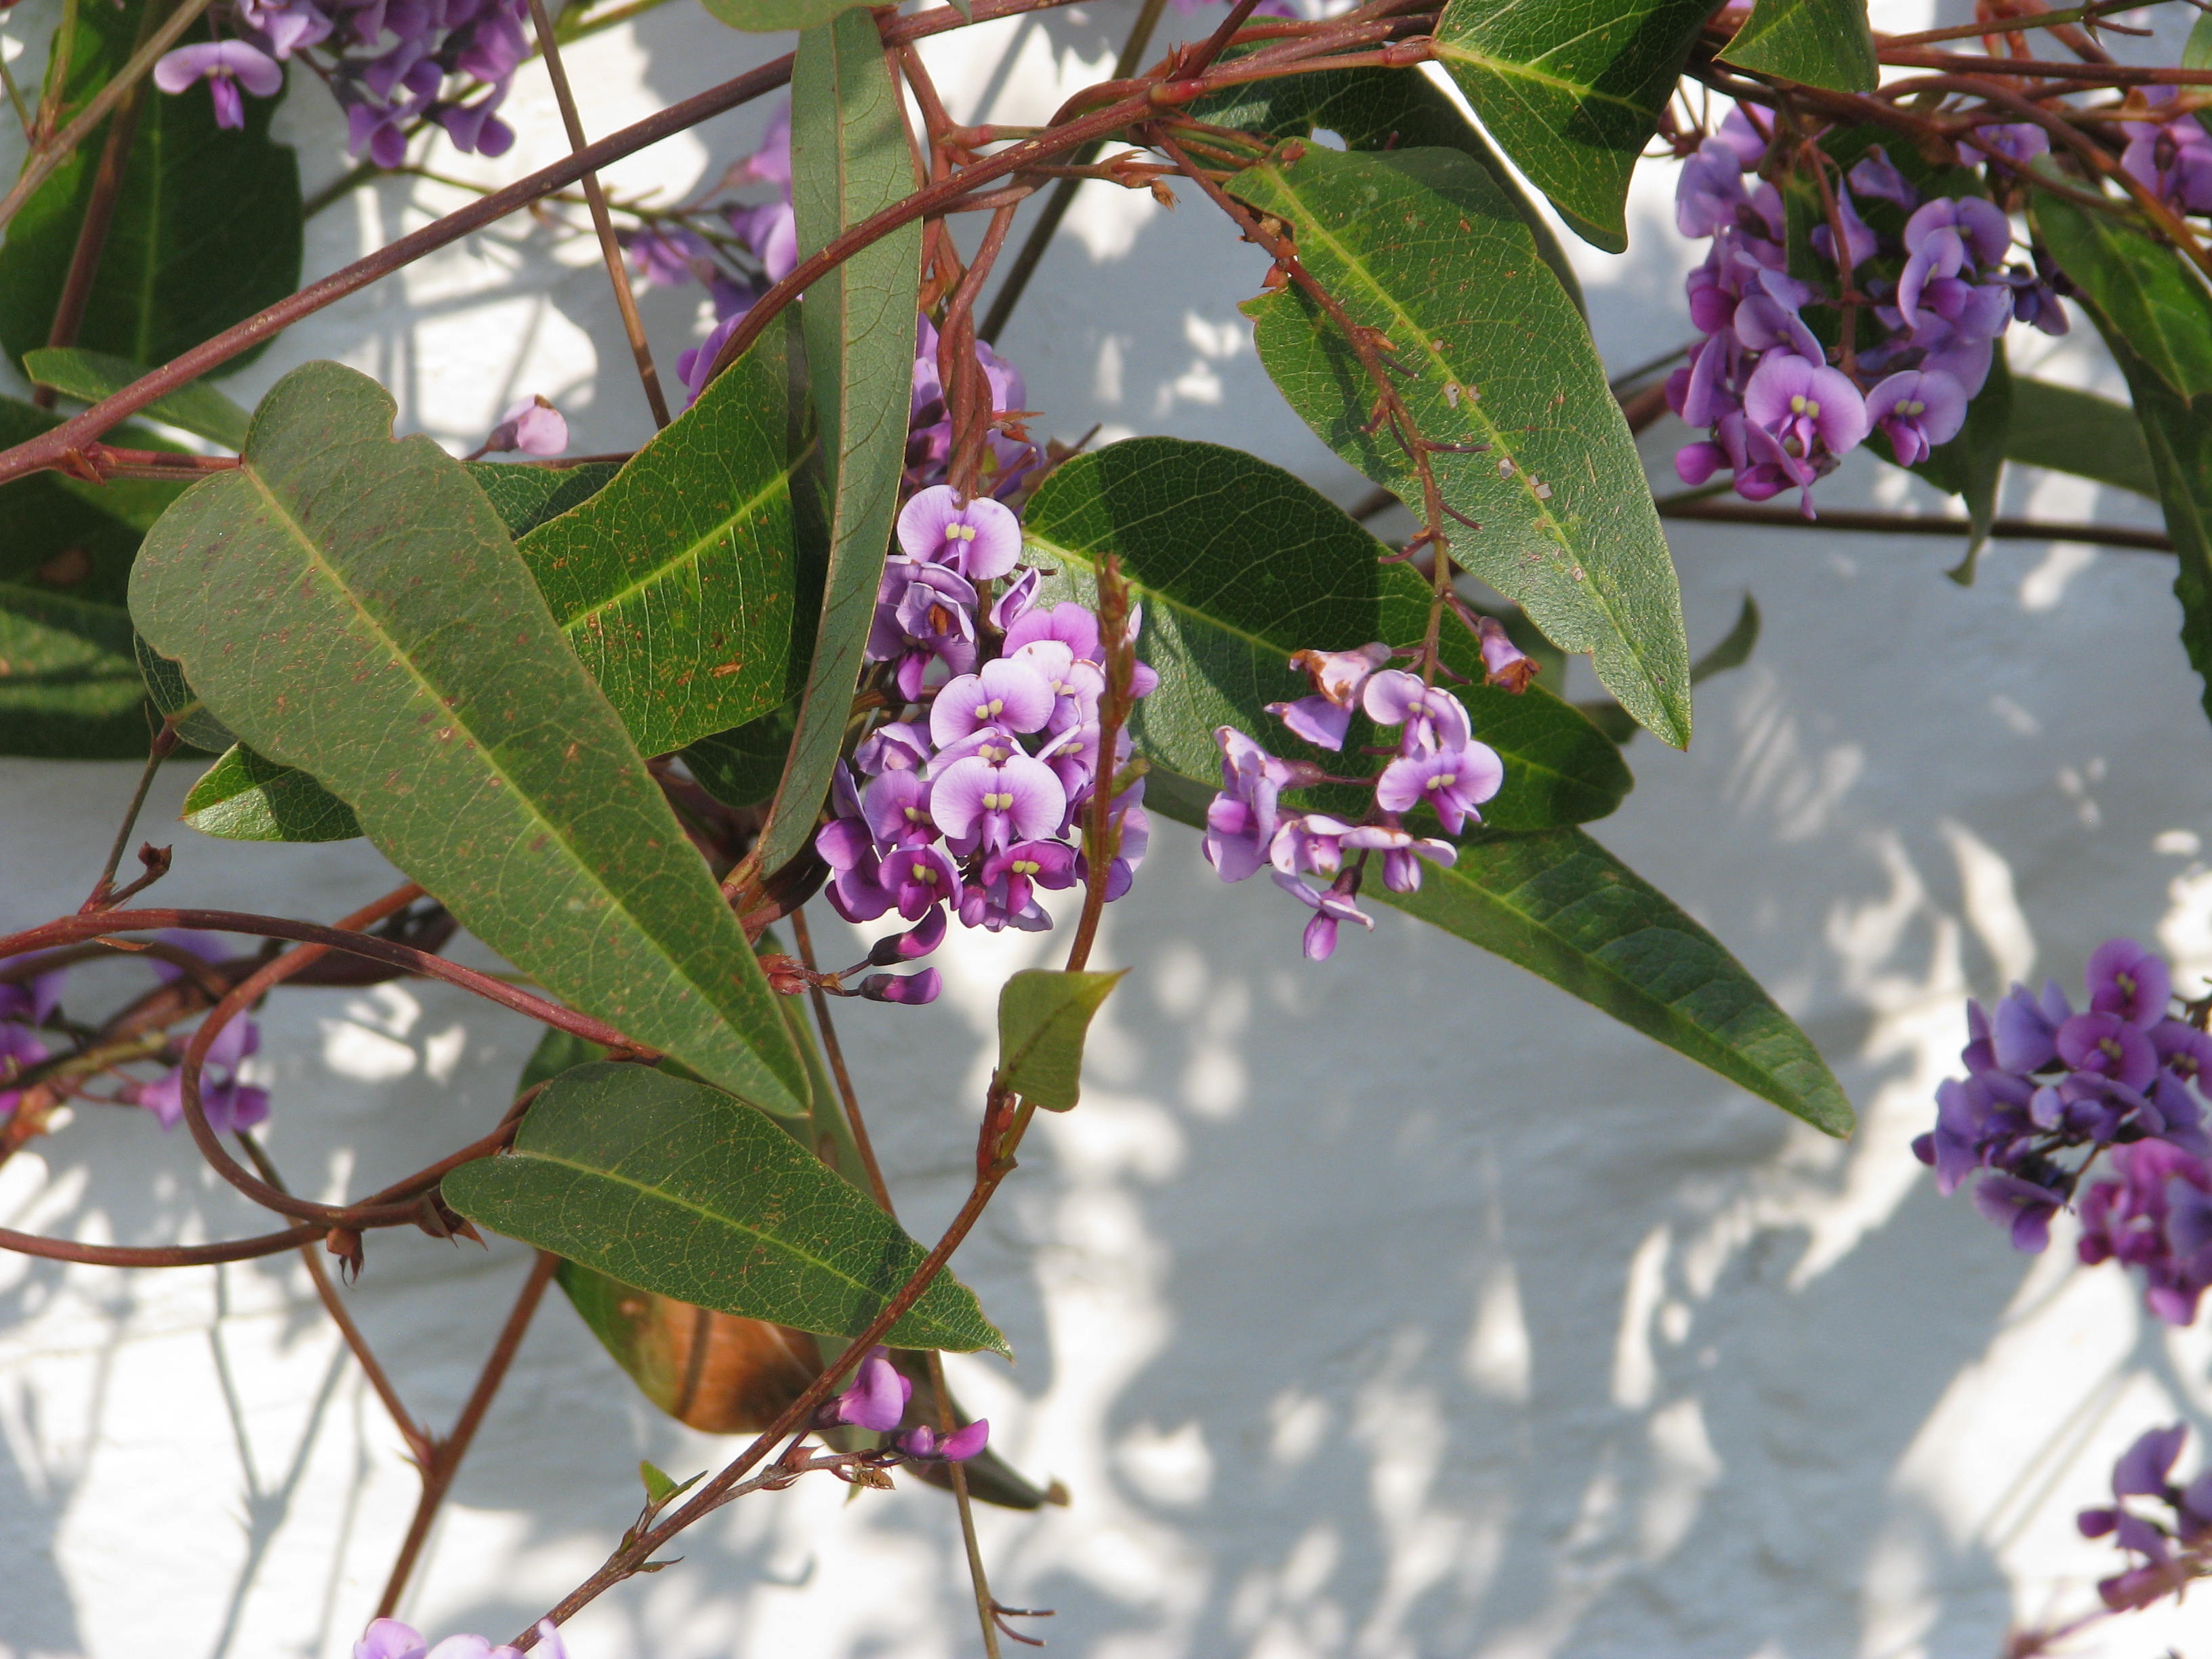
x=1400 y=1306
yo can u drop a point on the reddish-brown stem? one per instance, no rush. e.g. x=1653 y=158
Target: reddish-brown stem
x=1099 y=835
x=1198 y=62
x=1903 y=524
x=157 y=1255
x=967 y=401
x=445 y=1456
x=165 y=741
x=418 y=1440
x=2047 y=68
x=2001 y=26
x=834 y=1051
x=641 y=350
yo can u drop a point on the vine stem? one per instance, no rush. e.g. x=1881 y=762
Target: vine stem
x=641 y=350
x=165 y=741
x=1902 y=524
x=444 y=1460
x=46 y=156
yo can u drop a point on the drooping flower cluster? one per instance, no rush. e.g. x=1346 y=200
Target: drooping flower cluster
x=1439 y=764
x=2173 y=1548
x=229 y=1102
x=1778 y=415
x=877 y=1401
x=966 y=804
x=2049 y=1090
x=390 y=64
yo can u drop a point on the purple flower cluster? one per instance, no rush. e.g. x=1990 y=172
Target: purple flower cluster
x=2173 y=1548
x=877 y=1401
x=1778 y=416
x=388 y=63
x=2119 y=1078
x=24 y=1005
x=965 y=804
x=2172 y=158
x=1438 y=763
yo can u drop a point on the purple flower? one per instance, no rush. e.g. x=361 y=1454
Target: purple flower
x=1709 y=191
x=1810 y=408
x=2022 y=1206
x=921 y=1444
x=896 y=808
x=33 y=998
x=228 y=1104
x=912 y=989
x=925 y=613
x=532 y=426
x=1403 y=854
x=981 y=539
x=475 y=131
x=1076 y=685
x=1875 y=174
x=1009 y=876
x=1330 y=906
x=1860 y=242
x=1312 y=841
x=2142 y=1469
x=2172 y=159
x=1434 y=719
x=1455 y=781
x=2105 y=1045
x=919 y=878
x=856 y=887
x=2130 y=981
x=285 y=28
x=1505 y=665
x=2023 y=141
x=668 y=257
x=2024 y=1031
x=901 y=746
x=1747 y=130
x=19 y=1050
x=388 y=1638
x=1323 y=719
x=877 y=1398
x=1918 y=411
x=225 y=65
x=1007 y=692
x=1018 y=798
x=1015 y=599
x=1945 y=237
x=770 y=164
x=771 y=231
x=1240 y=823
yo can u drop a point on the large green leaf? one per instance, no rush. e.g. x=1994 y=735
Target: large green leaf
x=352 y=606
x=207 y=225
x=741 y=766
x=178 y=702
x=1815 y=43
x=678 y=583
x=90 y=376
x=245 y=797
x=1423 y=245
x=1238 y=564
x=2156 y=318
x=850 y=158
x=1380 y=109
x=2140 y=290
x=1043 y=1016
x=1559 y=905
x=769 y=16
x=1571 y=91
x=679 y=1189
x=2078 y=432
x=70 y=685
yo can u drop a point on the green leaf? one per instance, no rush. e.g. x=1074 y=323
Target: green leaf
x=679 y=1189
x=2078 y=432
x=2141 y=290
x=768 y=17
x=1815 y=43
x=741 y=766
x=1238 y=564
x=1043 y=1016
x=352 y=606
x=89 y=376
x=1421 y=245
x=1571 y=91
x=678 y=584
x=244 y=797
x=1733 y=650
x=525 y=497
x=1380 y=109
x=207 y=225
x=1559 y=905
x=70 y=685
x=172 y=697
x=850 y=158
x=1971 y=466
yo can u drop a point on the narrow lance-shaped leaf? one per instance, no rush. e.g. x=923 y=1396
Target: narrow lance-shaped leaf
x=677 y=583
x=1972 y=464
x=1238 y=564
x=207 y=226
x=1571 y=91
x=773 y=17
x=1380 y=109
x=850 y=158
x=679 y=1189
x=352 y=606
x=1815 y=43
x=2078 y=432
x=1043 y=1018
x=89 y=376
x=1488 y=354
x=1559 y=905
x=1732 y=650
x=2139 y=290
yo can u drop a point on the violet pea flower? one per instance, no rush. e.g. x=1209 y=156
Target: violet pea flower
x=1953 y=1148
x=981 y=539
x=1505 y=665
x=896 y=808
x=1016 y=598
x=2172 y=159
x=2126 y=979
x=2105 y=1045
x=901 y=746
x=876 y=1399
x=2024 y=1030
x=911 y=989
x=227 y=1103
x=1945 y=237
x=1047 y=864
x=1859 y=242
x=918 y=878
x=1402 y=853
x=1077 y=685
x=2143 y=1469
x=532 y=426
x=475 y=130
x=924 y=613
x=287 y=28
x=1019 y=798
x=1918 y=411
x=1331 y=906
x=1741 y=132
x=1433 y=718
x=770 y=164
x=1007 y=692
x=921 y=1446
x=2023 y=141
x=1312 y=841
x=771 y=231
x=1875 y=174
x=1240 y=822
x=225 y=65
x=1709 y=190
x=856 y=889
x=916 y=942
x=1337 y=677
x=1455 y=781
x=1810 y=408
x=2021 y=1206
x=31 y=999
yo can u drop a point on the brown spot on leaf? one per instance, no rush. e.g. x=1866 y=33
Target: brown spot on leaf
x=735 y=666
x=67 y=568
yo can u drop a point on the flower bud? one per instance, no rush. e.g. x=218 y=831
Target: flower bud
x=902 y=987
